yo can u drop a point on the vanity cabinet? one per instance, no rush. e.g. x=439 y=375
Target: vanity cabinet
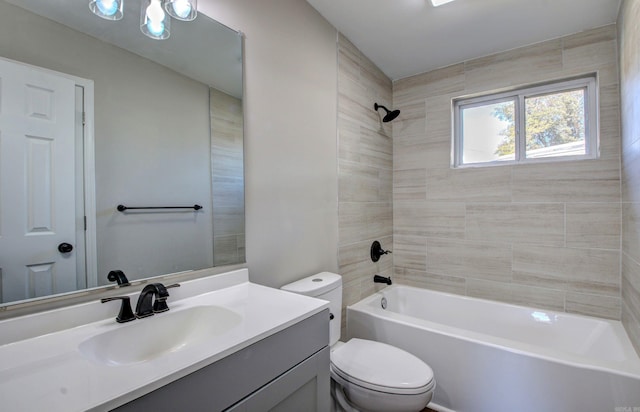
x=287 y=371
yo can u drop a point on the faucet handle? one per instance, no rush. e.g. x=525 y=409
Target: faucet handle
x=126 y=314
x=377 y=251
x=160 y=304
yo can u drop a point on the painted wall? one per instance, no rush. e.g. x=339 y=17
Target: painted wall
x=629 y=48
x=290 y=136
x=544 y=235
x=140 y=158
x=365 y=156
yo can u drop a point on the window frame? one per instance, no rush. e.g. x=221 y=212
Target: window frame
x=589 y=83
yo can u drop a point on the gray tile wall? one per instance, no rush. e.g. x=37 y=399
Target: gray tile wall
x=629 y=44
x=227 y=177
x=364 y=172
x=546 y=235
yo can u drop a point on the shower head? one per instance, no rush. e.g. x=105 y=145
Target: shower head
x=390 y=114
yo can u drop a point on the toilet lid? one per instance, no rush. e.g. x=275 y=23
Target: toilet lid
x=382 y=367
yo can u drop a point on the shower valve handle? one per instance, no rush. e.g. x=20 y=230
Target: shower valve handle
x=377 y=251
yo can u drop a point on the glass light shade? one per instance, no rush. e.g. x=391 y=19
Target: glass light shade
x=437 y=3
x=185 y=10
x=154 y=22
x=107 y=9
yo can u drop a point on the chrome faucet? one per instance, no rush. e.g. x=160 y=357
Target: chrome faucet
x=147 y=306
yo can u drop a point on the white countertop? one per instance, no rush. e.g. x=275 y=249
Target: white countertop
x=48 y=372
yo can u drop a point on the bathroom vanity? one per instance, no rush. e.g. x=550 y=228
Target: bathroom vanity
x=293 y=362
x=225 y=344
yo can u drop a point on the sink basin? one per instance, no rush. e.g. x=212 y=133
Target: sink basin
x=148 y=338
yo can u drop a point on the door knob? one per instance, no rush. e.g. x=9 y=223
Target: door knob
x=65 y=247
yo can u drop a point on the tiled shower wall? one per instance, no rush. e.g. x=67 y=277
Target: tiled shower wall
x=546 y=235
x=364 y=172
x=227 y=177
x=630 y=105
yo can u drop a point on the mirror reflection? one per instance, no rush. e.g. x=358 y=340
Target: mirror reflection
x=93 y=114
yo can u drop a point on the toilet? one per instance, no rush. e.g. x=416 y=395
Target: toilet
x=367 y=375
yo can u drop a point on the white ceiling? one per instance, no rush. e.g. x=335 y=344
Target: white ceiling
x=407 y=37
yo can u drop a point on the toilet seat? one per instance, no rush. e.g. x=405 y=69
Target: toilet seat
x=380 y=367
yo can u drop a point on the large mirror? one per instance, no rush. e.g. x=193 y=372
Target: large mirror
x=94 y=115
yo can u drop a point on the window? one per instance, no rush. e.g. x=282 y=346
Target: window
x=554 y=121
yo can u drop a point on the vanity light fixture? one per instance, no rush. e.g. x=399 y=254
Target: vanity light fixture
x=155 y=15
x=185 y=10
x=437 y=3
x=107 y=9
x=154 y=22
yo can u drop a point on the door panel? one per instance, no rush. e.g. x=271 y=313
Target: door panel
x=39 y=152
x=40 y=279
x=37 y=183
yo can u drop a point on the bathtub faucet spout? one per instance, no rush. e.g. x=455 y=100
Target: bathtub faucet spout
x=381 y=279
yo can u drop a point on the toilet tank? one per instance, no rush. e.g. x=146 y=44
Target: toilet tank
x=325 y=286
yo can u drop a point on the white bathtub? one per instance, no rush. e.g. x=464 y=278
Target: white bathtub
x=495 y=357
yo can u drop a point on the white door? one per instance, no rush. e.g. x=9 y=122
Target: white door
x=37 y=207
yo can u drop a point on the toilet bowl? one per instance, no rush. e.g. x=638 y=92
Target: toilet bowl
x=374 y=376
x=367 y=376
